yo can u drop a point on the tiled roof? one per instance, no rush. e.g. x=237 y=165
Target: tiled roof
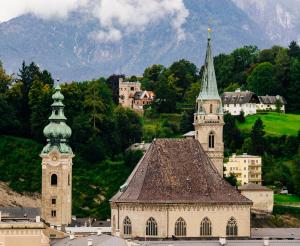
x=252 y=186
x=177 y=171
x=239 y=97
x=271 y=99
x=20 y=212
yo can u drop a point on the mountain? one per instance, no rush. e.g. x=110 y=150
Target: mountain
x=66 y=49
x=279 y=19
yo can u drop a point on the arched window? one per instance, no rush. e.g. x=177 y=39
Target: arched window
x=211 y=140
x=127 y=226
x=232 y=228
x=211 y=109
x=53 y=179
x=205 y=227
x=151 y=227
x=180 y=227
x=69 y=179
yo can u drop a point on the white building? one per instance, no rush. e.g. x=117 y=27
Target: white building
x=235 y=102
x=268 y=103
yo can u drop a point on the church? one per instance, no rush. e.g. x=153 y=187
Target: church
x=177 y=188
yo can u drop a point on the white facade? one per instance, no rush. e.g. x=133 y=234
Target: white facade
x=236 y=109
x=269 y=107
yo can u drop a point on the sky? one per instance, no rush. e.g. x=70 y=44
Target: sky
x=116 y=17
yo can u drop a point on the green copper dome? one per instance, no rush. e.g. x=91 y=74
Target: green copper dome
x=57 y=131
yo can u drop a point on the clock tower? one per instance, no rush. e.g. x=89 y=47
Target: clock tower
x=57 y=164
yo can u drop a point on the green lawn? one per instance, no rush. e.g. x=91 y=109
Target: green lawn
x=286 y=199
x=275 y=124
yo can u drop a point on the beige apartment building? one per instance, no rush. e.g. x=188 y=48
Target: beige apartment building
x=247 y=168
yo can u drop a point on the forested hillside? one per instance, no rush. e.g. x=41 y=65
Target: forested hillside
x=102 y=130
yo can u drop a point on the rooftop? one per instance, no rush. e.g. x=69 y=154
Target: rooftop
x=252 y=186
x=239 y=97
x=96 y=240
x=177 y=171
x=19 y=212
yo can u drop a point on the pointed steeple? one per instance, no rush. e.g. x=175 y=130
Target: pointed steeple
x=57 y=131
x=209 y=89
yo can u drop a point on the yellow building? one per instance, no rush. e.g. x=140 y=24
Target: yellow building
x=247 y=168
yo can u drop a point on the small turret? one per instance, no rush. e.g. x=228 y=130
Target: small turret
x=57 y=131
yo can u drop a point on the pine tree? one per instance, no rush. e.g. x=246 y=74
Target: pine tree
x=294 y=50
x=293 y=101
x=257 y=138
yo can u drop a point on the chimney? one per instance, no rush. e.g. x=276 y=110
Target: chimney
x=90 y=242
x=222 y=241
x=72 y=236
x=37 y=219
x=99 y=231
x=266 y=241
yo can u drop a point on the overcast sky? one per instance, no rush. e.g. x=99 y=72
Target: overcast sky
x=130 y=15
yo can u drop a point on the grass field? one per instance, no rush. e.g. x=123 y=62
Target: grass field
x=275 y=124
x=286 y=199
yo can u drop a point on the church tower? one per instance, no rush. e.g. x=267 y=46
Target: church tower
x=208 y=118
x=57 y=158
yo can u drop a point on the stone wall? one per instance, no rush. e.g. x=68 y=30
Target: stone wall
x=166 y=216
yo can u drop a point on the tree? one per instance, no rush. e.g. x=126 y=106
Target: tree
x=184 y=73
x=232 y=136
x=128 y=127
x=282 y=70
x=224 y=68
x=39 y=101
x=97 y=102
x=257 y=138
x=241 y=117
x=261 y=81
x=294 y=50
x=294 y=87
x=231 y=179
x=297 y=174
x=27 y=75
x=186 y=121
x=5 y=80
x=113 y=83
x=232 y=87
x=278 y=105
x=151 y=76
x=165 y=96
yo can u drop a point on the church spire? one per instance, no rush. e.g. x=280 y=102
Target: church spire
x=57 y=131
x=209 y=89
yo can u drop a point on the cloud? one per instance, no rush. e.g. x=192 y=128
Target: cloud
x=135 y=15
x=41 y=8
x=116 y=17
